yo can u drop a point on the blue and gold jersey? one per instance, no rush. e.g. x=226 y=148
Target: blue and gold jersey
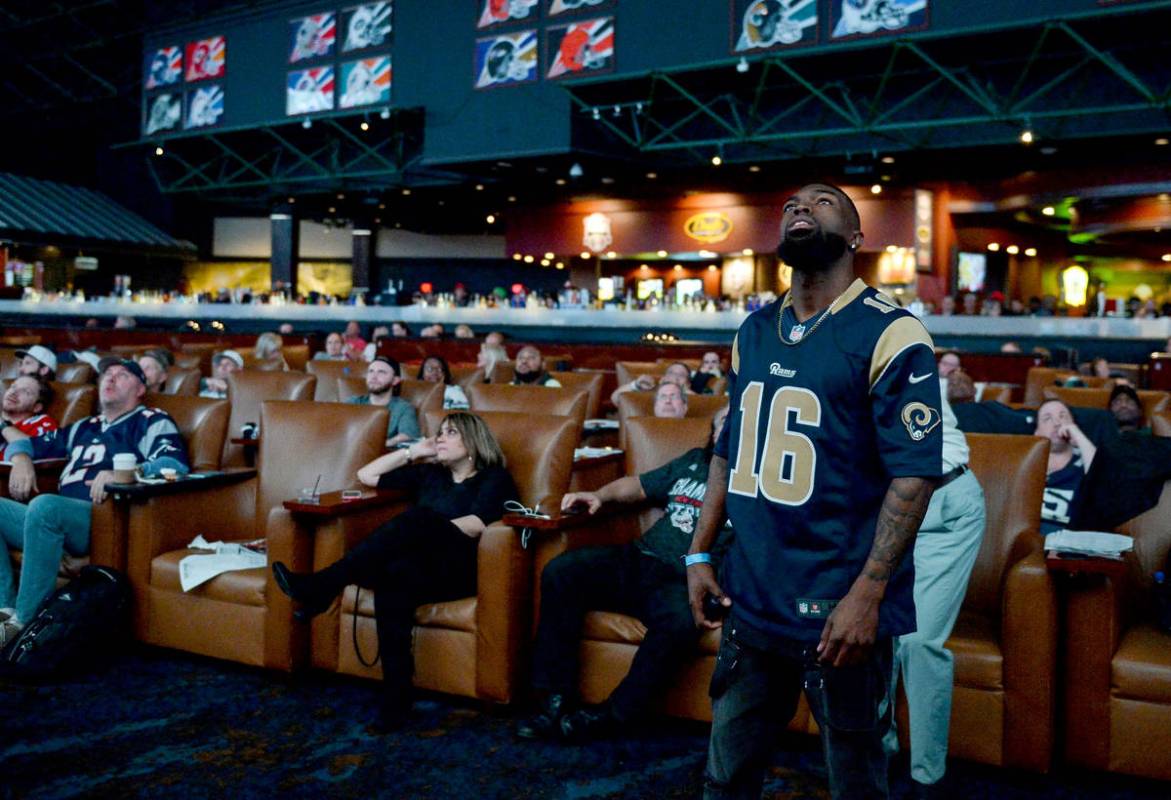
x=816 y=432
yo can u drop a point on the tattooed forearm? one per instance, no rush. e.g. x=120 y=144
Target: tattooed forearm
x=898 y=522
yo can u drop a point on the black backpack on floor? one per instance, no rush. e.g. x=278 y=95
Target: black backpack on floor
x=80 y=625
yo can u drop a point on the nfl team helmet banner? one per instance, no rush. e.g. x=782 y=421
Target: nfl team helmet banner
x=309 y=90
x=205 y=59
x=581 y=48
x=205 y=106
x=869 y=17
x=568 y=6
x=509 y=58
x=759 y=25
x=164 y=112
x=312 y=36
x=596 y=234
x=494 y=12
x=164 y=67
x=367 y=25
x=365 y=82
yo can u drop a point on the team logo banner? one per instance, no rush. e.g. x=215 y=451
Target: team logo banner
x=163 y=113
x=367 y=25
x=205 y=106
x=582 y=48
x=366 y=82
x=563 y=6
x=312 y=36
x=205 y=59
x=866 y=17
x=494 y=12
x=507 y=58
x=309 y=90
x=768 y=24
x=164 y=68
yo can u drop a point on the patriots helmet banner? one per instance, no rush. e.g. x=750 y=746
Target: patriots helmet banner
x=164 y=113
x=205 y=58
x=312 y=36
x=494 y=12
x=765 y=24
x=205 y=106
x=863 y=17
x=580 y=48
x=507 y=58
x=367 y=25
x=365 y=82
x=165 y=67
x=309 y=90
x=563 y=6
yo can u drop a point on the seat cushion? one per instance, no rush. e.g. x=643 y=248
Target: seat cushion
x=976 y=645
x=608 y=626
x=1142 y=666
x=458 y=615
x=243 y=587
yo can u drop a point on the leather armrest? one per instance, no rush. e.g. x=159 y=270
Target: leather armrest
x=1029 y=647
x=503 y=609
x=331 y=504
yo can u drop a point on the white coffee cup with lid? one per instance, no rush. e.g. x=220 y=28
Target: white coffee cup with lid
x=124 y=468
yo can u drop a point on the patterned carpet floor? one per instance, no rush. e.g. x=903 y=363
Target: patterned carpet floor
x=164 y=724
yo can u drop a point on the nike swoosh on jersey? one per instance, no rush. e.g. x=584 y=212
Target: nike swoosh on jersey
x=919 y=378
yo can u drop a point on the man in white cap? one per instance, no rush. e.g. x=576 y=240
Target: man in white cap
x=38 y=360
x=51 y=524
x=223 y=364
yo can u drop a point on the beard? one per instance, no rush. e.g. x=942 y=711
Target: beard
x=527 y=377
x=815 y=252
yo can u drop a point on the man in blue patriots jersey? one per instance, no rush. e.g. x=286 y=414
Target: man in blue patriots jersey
x=53 y=523
x=825 y=468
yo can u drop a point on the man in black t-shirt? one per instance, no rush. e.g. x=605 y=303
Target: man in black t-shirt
x=644 y=578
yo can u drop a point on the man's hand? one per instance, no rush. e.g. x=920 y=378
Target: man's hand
x=22 y=480
x=217 y=384
x=97 y=487
x=852 y=627
x=644 y=383
x=591 y=500
x=701 y=582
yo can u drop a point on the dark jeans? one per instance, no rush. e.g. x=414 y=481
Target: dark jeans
x=416 y=558
x=622 y=579
x=754 y=695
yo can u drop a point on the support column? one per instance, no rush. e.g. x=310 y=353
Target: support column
x=286 y=248
x=363 y=252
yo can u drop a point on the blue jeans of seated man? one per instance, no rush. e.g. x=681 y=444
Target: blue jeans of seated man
x=945 y=552
x=754 y=695
x=43 y=529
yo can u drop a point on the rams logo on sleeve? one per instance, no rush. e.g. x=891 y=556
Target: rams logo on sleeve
x=920 y=420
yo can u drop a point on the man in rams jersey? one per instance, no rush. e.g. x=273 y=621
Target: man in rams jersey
x=825 y=468
x=52 y=523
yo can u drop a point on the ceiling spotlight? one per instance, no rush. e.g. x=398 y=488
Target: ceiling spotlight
x=575 y=170
x=747 y=251
x=597 y=114
x=1027 y=136
x=512 y=198
x=517 y=256
x=490 y=219
x=678 y=267
x=888 y=159
x=716 y=160
x=652 y=175
x=332 y=210
x=382 y=206
x=365 y=125
x=158 y=151
x=711 y=268
x=607 y=180
x=1162 y=141
x=617 y=110
x=876 y=189
x=341 y=195
x=611 y=254
x=307 y=124
x=661 y=254
x=638 y=107
x=545 y=262
x=1012 y=249
x=479 y=187
x=560 y=265
x=584 y=255
x=560 y=181
x=528 y=259
x=1031 y=252
x=384 y=113
x=406 y=192
x=1049 y=211
x=1167 y=256
x=377 y=220
x=993 y=247
x=291 y=200
x=742 y=65
x=754 y=168
x=549 y=256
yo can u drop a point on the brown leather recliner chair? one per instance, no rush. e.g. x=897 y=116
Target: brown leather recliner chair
x=71 y=401
x=1005 y=640
x=1118 y=661
x=530 y=400
x=182 y=381
x=1100 y=398
x=642 y=404
x=247 y=389
x=328 y=372
x=242 y=616
x=475 y=647
x=1041 y=378
x=296 y=356
x=591 y=382
x=77 y=372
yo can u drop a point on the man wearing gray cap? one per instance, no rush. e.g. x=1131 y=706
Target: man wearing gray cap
x=223 y=364
x=38 y=360
x=51 y=524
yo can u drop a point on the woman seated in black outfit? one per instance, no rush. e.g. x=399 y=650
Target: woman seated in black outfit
x=427 y=554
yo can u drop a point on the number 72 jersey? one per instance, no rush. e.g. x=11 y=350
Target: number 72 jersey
x=816 y=432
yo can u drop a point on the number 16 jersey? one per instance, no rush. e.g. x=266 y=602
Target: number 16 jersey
x=817 y=431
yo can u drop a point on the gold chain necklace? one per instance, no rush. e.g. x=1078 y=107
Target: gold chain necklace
x=798 y=332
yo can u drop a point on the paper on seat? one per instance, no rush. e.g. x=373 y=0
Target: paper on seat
x=224 y=557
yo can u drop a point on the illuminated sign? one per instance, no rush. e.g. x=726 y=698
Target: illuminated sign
x=708 y=227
